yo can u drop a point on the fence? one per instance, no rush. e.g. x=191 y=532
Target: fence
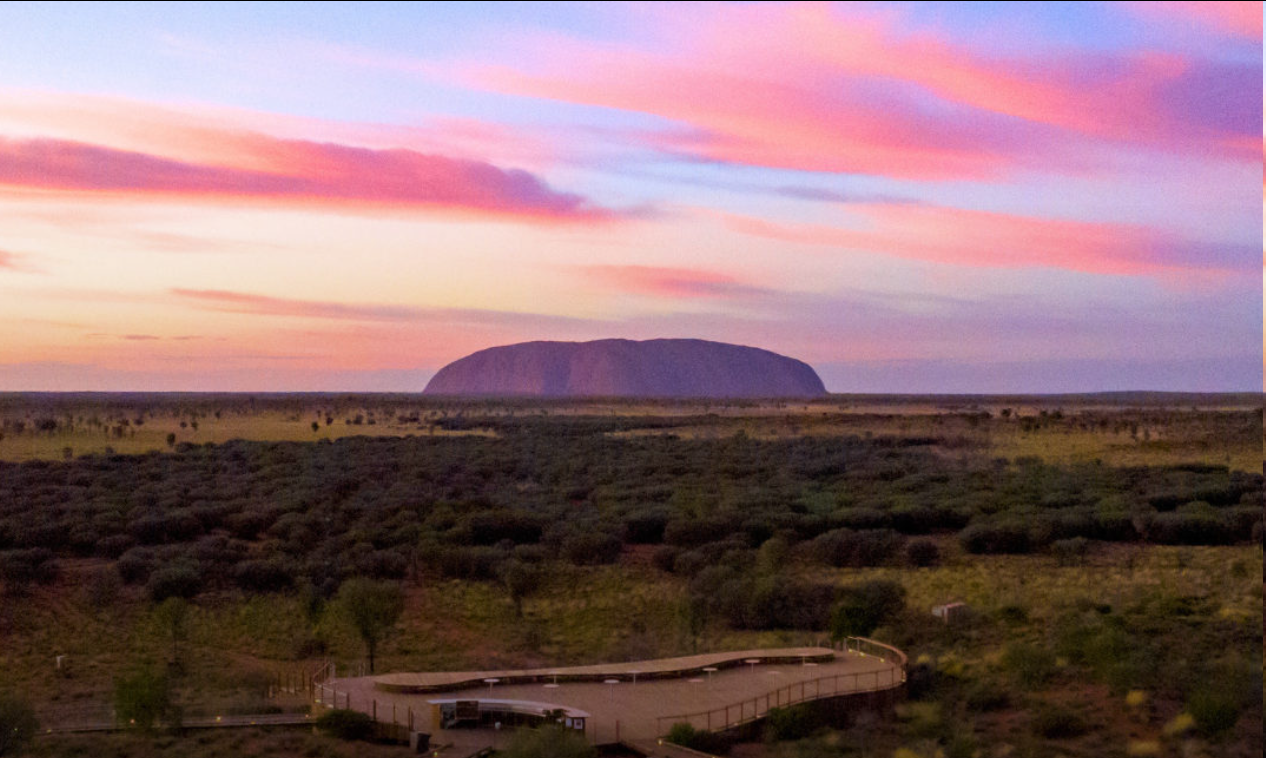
x=397 y=729
x=834 y=685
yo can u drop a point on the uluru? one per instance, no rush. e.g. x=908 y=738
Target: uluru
x=627 y=368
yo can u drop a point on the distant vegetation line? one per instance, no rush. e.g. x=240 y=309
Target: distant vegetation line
x=266 y=516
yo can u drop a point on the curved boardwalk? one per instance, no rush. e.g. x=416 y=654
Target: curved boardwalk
x=636 y=712
x=660 y=668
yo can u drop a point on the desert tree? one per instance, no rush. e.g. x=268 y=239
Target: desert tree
x=372 y=608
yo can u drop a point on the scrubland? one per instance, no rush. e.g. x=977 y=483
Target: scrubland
x=1109 y=555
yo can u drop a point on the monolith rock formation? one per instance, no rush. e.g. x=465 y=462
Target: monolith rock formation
x=626 y=368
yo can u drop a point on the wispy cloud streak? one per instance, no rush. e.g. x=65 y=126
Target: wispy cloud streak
x=668 y=282
x=300 y=172
x=814 y=88
x=998 y=240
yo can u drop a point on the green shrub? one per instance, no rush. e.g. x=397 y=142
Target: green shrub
x=793 y=723
x=697 y=739
x=985 y=696
x=1031 y=665
x=550 y=741
x=868 y=547
x=346 y=724
x=20 y=569
x=1013 y=614
x=1215 y=709
x=923 y=552
x=863 y=607
x=182 y=580
x=1194 y=527
x=1070 y=552
x=998 y=537
x=1057 y=723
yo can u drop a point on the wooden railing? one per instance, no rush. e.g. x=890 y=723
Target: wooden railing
x=834 y=685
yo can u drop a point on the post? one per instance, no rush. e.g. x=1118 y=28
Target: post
x=373 y=709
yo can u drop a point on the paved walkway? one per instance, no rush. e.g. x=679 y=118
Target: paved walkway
x=633 y=712
x=443 y=681
x=191 y=722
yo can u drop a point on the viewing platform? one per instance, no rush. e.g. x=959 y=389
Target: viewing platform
x=635 y=702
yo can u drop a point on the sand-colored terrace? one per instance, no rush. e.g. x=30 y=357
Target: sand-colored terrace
x=743 y=686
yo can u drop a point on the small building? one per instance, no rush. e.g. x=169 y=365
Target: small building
x=493 y=712
x=950 y=612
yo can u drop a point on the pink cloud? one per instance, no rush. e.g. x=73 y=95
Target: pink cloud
x=1235 y=19
x=676 y=283
x=813 y=87
x=998 y=240
x=241 y=302
x=240 y=138
x=10 y=261
x=227 y=301
x=297 y=172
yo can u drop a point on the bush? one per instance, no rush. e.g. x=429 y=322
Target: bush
x=136 y=565
x=21 y=569
x=17 y=725
x=1070 y=552
x=999 y=537
x=476 y=563
x=845 y=547
x=1032 y=666
x=696 y=532
x=921 y=519
x=1215 y=710
x=1058 y=723
x=664 y=558
x=646 y=528
x=1013 y=614
x=549 y=741
x=778 y=602
x=793 y=723
x=346 y=724
x=984 y=696
x=591 y=548
x=862 y=607
x=1190 y=528
x=697 y=739
x=183 y=580
x=923 y=553
x=262 y=576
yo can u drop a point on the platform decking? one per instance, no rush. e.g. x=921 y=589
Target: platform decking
x=444 y=681
x=639 y=712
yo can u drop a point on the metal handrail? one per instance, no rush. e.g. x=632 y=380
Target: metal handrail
x=784 y=696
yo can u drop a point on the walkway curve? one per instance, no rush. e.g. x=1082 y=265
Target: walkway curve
x=660 y=668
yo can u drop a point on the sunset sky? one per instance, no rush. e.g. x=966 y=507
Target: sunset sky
x=914 y=197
